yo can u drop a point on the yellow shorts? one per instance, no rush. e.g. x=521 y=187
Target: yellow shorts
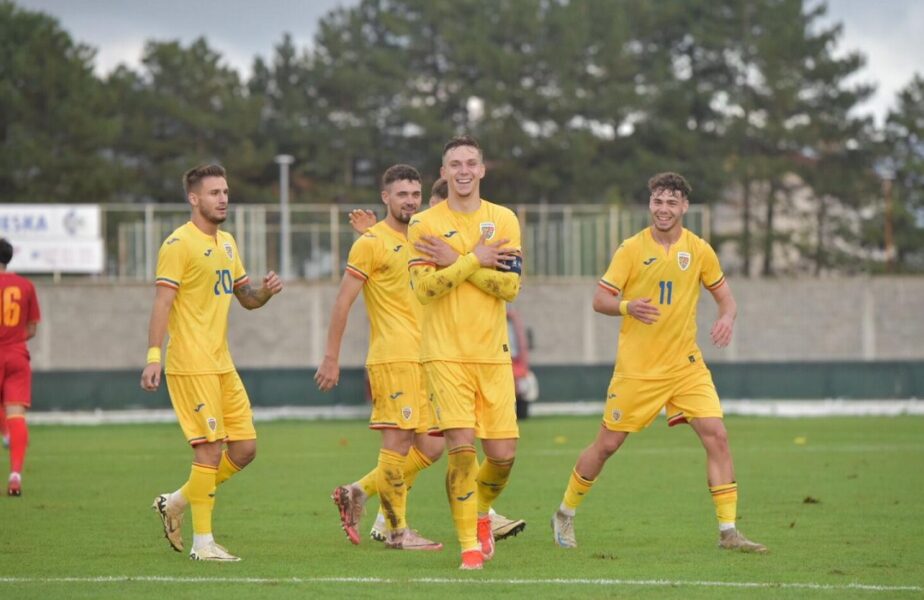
x=399 y=397
x=211 y=407
x=474 y=396
x=632 y=404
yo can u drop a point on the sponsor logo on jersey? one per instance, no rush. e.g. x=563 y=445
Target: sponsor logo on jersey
x=406 y=412
x=450 y=233
x=396 y=395
x=200 y=406
x=487 y=229
x=171 y=240
x=465 y=497
x=208 y=252
x=683 y=260
x=229 y=250
x=398 y=247
x=649 y=261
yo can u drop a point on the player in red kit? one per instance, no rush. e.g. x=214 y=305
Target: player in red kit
x=19 y=317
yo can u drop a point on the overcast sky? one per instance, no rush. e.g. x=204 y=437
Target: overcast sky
x=886 y=31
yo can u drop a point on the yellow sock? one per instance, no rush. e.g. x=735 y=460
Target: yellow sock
x=392 y=489
x=200 y=491
x=415 y=462
x=226 y=469
x=578 y=487
x=725 y=498
x=492 y=479
x=461 y=487
x=368 y=483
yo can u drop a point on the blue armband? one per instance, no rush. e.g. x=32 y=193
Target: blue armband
x=514 y=265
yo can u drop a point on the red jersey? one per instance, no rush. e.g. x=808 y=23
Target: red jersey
x=18 y=307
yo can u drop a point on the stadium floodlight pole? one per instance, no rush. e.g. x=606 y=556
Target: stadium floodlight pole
x=285 y=235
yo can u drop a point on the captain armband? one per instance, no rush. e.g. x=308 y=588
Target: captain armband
x=514 y=264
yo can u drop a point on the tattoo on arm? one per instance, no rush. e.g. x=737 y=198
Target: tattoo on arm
x=251 y=298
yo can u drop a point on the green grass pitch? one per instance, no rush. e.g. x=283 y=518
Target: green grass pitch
x=839 y=502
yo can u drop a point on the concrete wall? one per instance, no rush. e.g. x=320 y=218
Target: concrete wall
x=89 y=326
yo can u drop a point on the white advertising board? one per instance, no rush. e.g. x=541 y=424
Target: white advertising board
x=54 y=256
x=53 y=238
x=49 y=221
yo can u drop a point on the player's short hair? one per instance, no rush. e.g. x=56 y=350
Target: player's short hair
x=399 y=173
x=461 y=140
x=440 y=188
x=193 y=177
x=671 y=181
x=6 y=252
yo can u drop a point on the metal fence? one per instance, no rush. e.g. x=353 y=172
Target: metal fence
x=559 y=240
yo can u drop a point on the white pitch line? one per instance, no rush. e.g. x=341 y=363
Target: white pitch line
x=452 y=581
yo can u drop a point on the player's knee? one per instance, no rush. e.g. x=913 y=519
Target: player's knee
x=607 y=445
x=243 y=455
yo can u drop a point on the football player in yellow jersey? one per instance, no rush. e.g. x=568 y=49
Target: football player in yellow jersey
x=198 y=269
x=427 y=449
x=377 y=266
x=653 y=282
x=465 y=349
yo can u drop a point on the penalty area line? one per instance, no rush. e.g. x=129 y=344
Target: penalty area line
x=453 y=581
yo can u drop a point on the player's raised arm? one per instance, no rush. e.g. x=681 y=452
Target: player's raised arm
x=328 y=374
x=361 y=220
x=157 y=330
x=251 y=298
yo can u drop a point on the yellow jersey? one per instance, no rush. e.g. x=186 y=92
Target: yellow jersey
x=204 y=270
x=467 y=324
x=379 y=259
x=641 y=268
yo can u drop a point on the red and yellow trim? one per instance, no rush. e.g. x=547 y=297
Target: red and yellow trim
x=677 y=419
x=242 y=280
x=420 y=262
x=167 y=283
x=351 y=270
x=717 y=283
x=609 y=287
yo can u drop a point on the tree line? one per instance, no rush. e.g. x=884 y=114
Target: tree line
x=573 y=101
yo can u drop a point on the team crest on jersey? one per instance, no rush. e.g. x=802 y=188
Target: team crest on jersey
x=406 y=412
x=212 y=423
x=683 y=260
x=229 y=250
x=617 y=415
x=487 y=229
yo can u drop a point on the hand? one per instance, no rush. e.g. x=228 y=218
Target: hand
x=328 y=375
x=150 y=377
x=492 y=255
x=361 y=220
x=272 y=283
x=643 y=310
x=437 y=250
x=721 y=332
